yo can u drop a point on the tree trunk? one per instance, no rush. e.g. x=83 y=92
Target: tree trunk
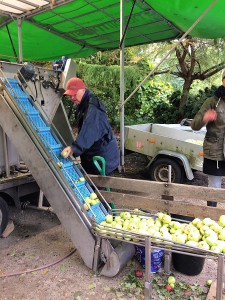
x=184 y=95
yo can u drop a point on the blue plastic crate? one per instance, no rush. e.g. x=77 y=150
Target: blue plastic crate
x=26 y=105
x=70 y=174
x=36 y=120
x=99 y=213
x=48 y=139
x=16 y=90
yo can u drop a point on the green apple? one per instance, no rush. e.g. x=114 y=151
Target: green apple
x=220 y=244
x=179 y=238
x=126 y=215
x=211 y=240
x=221 y=220
x=222 y=235
x=93 y=202
x=113 y=223
x=209 y=282
x=60 y=164
x=133 y=227
x=157 y=235
x=205 y=230
x=188 y=228
x=160 y=215
x=150 y=222
x=151 y=231
x=109 y=219
x=216 y=249
x=194 y=236
x=143 y=231
x=126 y=223
x=118 y=219
x=203 y=245
x=121 y=214
x=86 y=206
x=87 y=200
x=177 y=225
x=127 y=237
x=195 y=221
x=135 y=220
x=164 y=229
x=192 y=243
x=167 y=236
x=208 y=221
x=199 y=224
x=216 y=227
x=93 y=196
x=158 y=223
x=101 y=227
x=171 y=279
x=166 y=219
x=118 y=226
x=64 y=154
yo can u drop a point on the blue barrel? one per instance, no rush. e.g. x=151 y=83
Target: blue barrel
x=156 y=258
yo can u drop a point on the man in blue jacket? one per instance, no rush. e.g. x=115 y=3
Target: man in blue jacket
x=95 y=135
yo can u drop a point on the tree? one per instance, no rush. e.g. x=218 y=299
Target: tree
x=194 y=59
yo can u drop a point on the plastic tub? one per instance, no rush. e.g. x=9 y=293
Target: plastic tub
x=188 y=264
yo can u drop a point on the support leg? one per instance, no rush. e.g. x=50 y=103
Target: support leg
x=220 y=272
x=148 y=273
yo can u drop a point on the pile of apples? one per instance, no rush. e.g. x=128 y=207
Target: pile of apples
x=90 y=201
x=205 y=234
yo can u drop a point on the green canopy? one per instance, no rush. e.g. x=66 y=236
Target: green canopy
x=80 y=28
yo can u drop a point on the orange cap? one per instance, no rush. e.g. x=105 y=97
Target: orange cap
x=73 y=85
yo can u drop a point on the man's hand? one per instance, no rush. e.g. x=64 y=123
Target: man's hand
x=67 y=152
x=210 y=116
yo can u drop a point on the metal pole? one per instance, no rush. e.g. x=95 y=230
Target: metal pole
x=220 y=271
x=6 y=157
x=19 y=22
x=169 y=173
x=148 y=273
x=121 y=109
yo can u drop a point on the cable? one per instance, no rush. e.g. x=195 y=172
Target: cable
x=39 y=268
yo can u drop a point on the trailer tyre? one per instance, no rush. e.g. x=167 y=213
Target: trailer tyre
x=4 y=215
x=159 y=171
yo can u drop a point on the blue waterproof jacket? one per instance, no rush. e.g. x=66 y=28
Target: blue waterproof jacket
x=95 y=135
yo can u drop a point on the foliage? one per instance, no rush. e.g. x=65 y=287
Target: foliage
x=104 y=81
x=134 y=287
x=195 y=101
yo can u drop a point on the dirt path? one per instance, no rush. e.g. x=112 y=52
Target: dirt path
x=39 y=241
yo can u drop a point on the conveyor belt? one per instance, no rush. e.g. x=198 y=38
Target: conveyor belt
x=40 y=146
x=68 y=168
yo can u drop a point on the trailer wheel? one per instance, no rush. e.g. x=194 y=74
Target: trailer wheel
x=4 y=215
x=158 y=171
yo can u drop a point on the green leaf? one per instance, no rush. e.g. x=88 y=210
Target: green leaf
x=77 y=294
x=91 y=286
x=62 y=268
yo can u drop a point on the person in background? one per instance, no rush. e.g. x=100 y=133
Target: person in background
x=212 y=115
x=59 y=65
x=95 y=135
